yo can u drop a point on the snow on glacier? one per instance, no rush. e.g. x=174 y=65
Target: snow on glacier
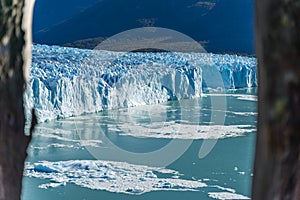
x=67 y=82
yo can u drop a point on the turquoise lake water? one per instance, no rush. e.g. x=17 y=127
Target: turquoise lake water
x=225 y=173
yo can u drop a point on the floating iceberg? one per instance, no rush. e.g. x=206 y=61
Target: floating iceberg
x=67 y=82
x=120 y=177
x=117 y=177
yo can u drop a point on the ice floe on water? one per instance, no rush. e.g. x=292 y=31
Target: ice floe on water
x=246 y=97
x=185 y=131
x=226 y=196
x=119 y=177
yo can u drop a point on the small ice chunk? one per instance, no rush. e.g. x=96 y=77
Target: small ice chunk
x=40 y=167
x=167 y=185
x=150 y=174
x=50 y=185
x=135 y=190
x=142 y=179
x=226 y=196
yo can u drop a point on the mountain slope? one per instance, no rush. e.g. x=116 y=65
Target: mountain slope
x=227 y=25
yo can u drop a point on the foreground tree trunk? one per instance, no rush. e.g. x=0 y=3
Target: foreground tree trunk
x=13 y=142
x=277 y=159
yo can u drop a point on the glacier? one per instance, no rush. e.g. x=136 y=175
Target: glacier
x=68 y=82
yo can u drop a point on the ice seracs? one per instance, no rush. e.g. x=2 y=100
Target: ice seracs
x=66 y=81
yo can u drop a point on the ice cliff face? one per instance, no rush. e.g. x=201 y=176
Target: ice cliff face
x=66 y=82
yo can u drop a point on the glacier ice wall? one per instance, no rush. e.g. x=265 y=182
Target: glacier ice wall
x=67 y=82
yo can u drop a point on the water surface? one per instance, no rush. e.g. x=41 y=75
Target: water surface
x=77 y=143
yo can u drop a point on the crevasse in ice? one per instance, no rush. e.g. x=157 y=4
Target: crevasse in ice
x=66 y=81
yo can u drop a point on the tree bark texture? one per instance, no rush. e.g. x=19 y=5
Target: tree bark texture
x=13 y=142
x=277 y=158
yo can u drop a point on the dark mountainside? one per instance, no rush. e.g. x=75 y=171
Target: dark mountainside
x=48 y=13
x=226 y=25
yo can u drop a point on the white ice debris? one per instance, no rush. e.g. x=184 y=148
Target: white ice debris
x=111 y=176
